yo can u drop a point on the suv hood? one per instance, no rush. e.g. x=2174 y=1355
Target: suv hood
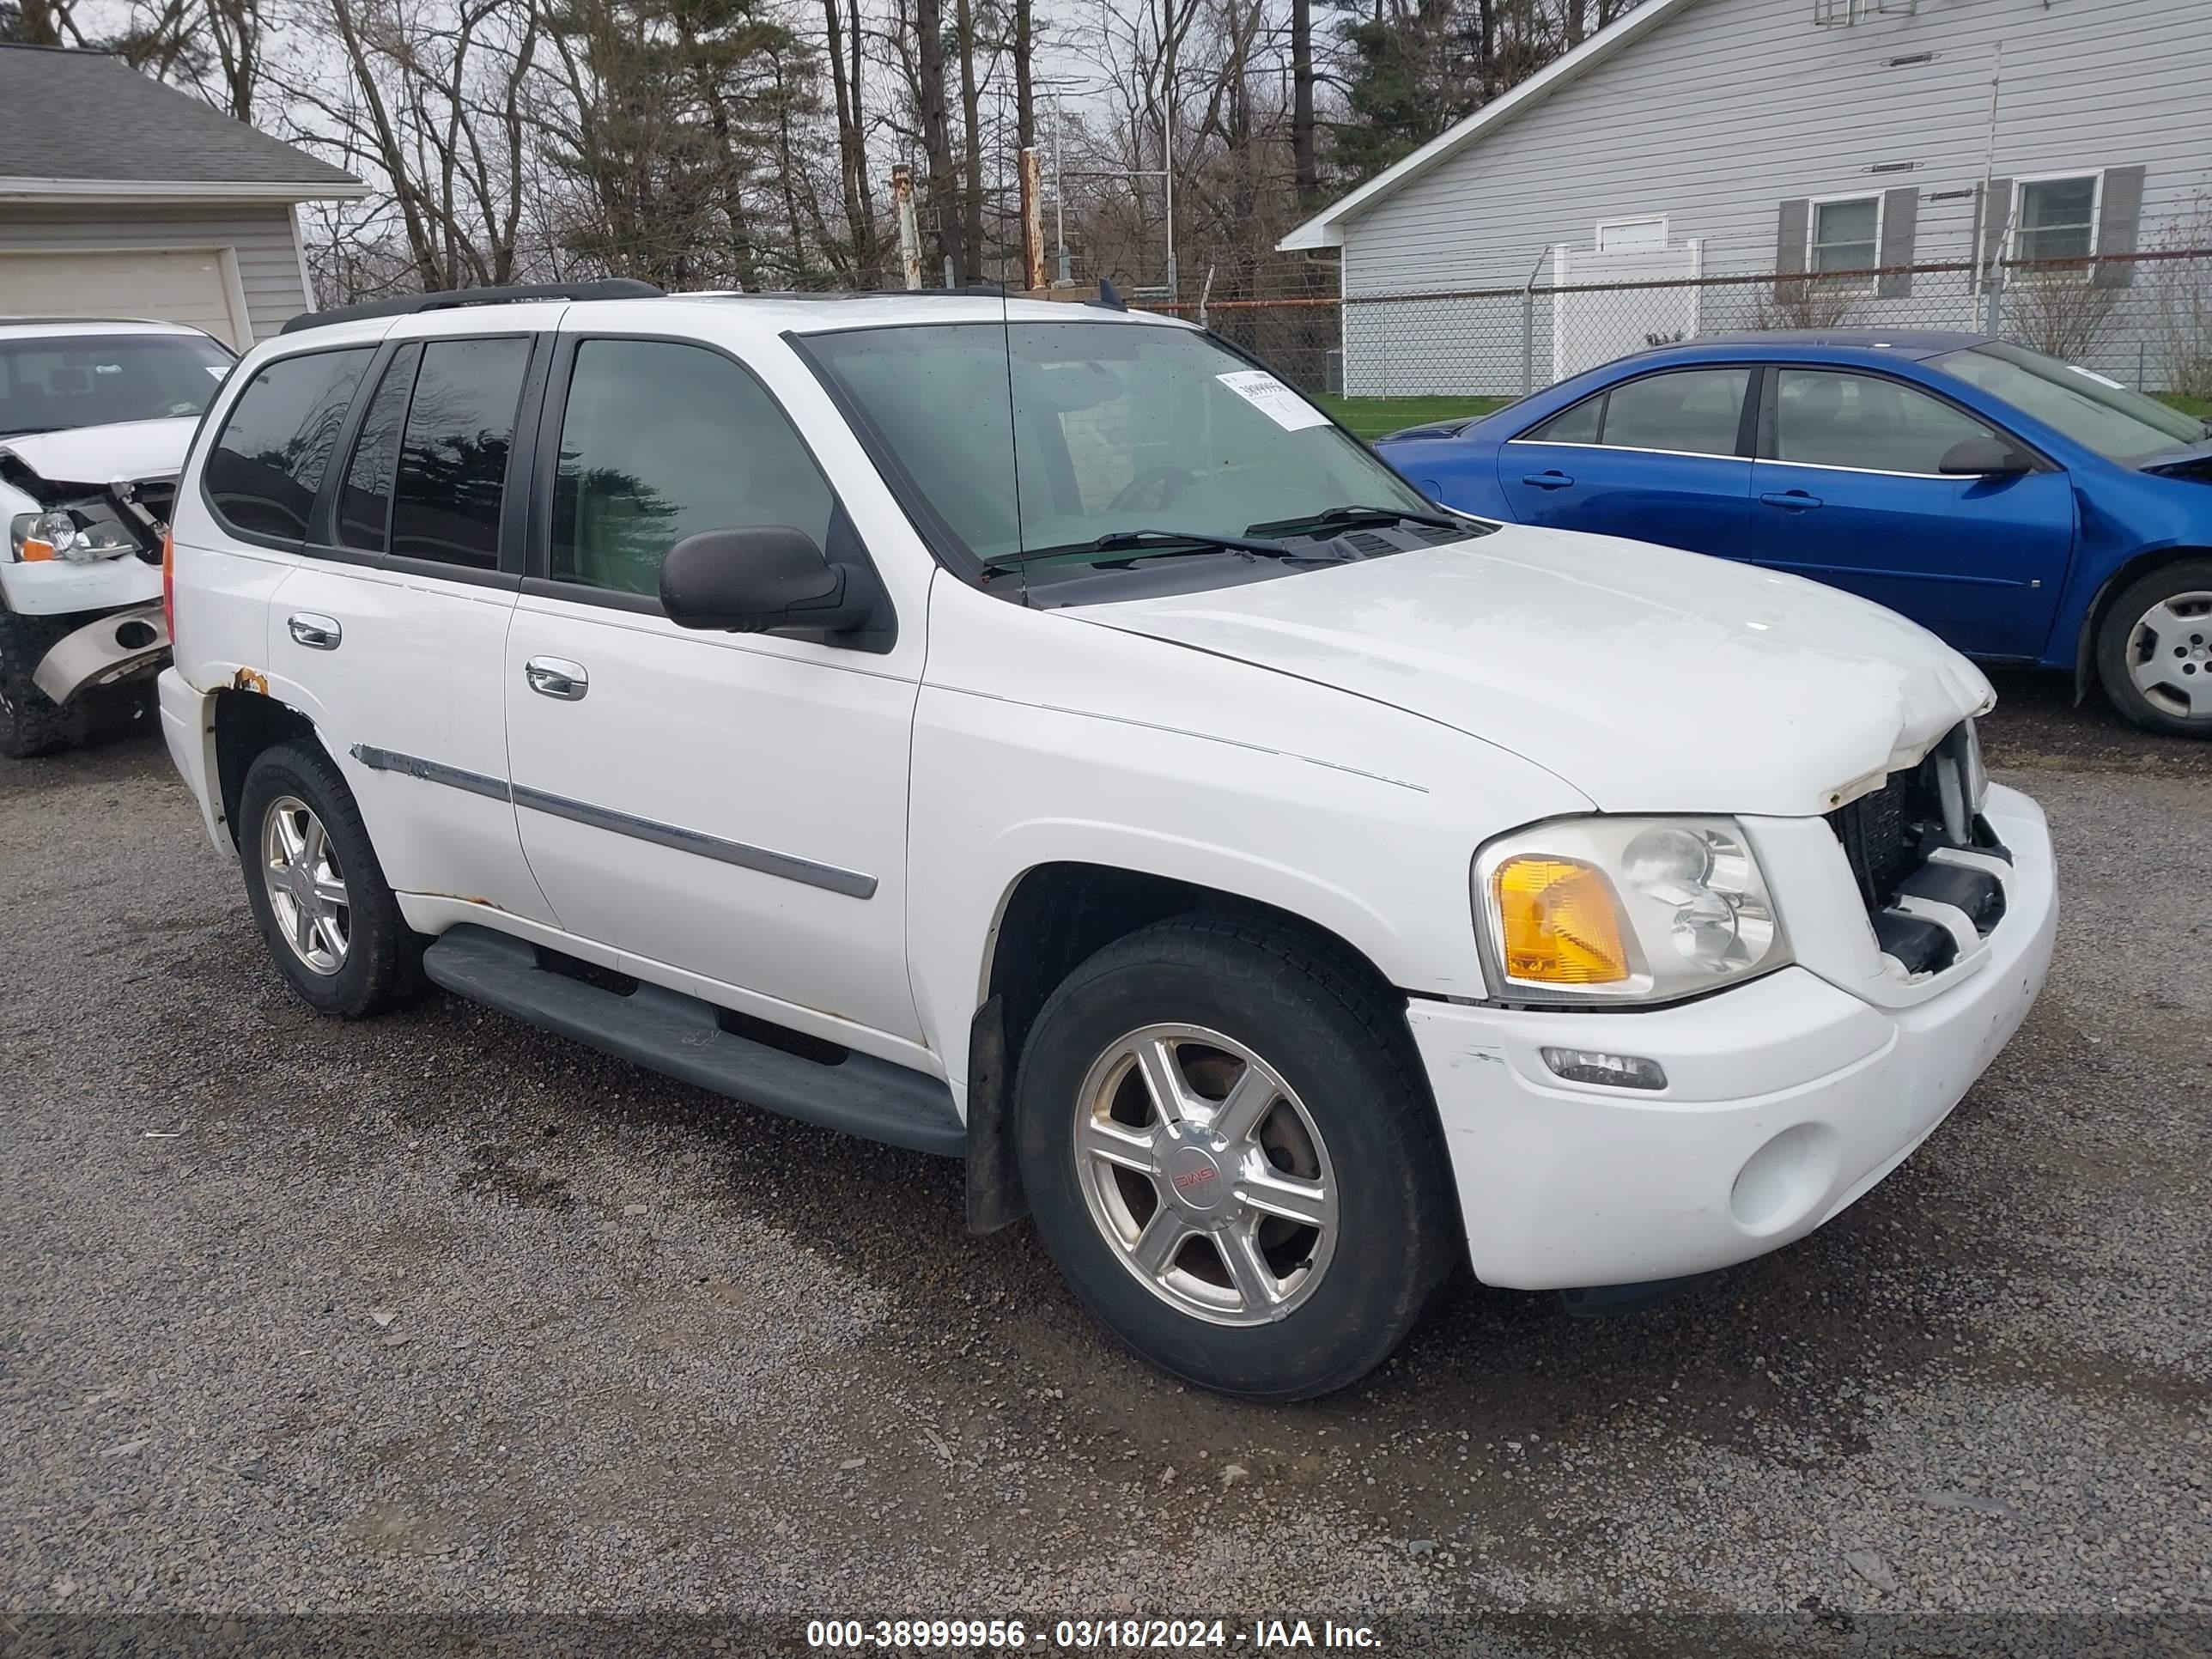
x=96 y=456
x=1651 y=680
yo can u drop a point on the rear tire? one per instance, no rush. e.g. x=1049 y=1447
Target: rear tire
x=31 y=722
x=2153 y=649
x=332 y=924
x=1275 y=1260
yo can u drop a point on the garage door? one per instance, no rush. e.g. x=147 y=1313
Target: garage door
x=176 y=286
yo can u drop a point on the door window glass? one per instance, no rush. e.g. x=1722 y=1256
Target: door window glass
x=1577 y=425
x=365 y=502
x=659 y=442
x=263 y=471
x=452 y=458
x=1823 y=418
x=1692 y=411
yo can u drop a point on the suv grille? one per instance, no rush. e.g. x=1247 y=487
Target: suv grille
x=1881 y=834
x=1889 y=836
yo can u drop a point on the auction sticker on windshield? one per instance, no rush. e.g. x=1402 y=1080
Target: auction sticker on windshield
x=1272 y=399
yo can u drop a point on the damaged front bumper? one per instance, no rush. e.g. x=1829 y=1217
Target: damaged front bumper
x=121 y=646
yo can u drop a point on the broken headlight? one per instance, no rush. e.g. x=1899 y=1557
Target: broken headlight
x=82 y=534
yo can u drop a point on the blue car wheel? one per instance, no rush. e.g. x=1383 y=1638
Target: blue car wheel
x=2154 y=649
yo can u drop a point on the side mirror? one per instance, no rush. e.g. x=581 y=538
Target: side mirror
x=1984 y=457
x=762 y=580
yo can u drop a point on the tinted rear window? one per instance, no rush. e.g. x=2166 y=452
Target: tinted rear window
x=452 y=461
x=265 y=470
x=365 y=503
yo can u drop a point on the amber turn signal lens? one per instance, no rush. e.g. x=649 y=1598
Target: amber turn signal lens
x=1560 y=922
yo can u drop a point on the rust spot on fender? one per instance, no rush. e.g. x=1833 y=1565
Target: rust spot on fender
x=469 y=898
x=248 y=679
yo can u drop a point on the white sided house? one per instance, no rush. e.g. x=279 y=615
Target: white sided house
x=122 y=198
x=1696 y=139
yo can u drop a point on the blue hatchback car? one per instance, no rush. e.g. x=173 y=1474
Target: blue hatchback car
x=2025 y=509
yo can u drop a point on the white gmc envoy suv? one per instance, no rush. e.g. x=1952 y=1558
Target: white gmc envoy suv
x=1030 y=733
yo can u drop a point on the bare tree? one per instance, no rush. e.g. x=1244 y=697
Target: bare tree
x=2061 y=311
x=944 y=203
x=842 y=31
x=1305 y=160
x=971 y=132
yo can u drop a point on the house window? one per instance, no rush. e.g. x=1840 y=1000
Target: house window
x=2056 y=219
x=1844 y=235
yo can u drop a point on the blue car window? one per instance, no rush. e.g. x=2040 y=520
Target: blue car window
x=1825 y=418
x=1577 y=425
x=1692 y=411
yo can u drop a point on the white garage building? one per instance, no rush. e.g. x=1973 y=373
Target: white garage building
x=122 y=198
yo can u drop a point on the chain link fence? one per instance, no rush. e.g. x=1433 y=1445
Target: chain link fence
x=2144 y=318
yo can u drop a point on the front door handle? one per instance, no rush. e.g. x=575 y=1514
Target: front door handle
x=317 y=633
x=1553 y=479
x=1790 y=500
x=556 y=677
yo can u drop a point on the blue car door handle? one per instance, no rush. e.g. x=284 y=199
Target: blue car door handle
x=1554 y=479
x=1794 y=501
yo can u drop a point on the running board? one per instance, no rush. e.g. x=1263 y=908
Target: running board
x=679 y=1036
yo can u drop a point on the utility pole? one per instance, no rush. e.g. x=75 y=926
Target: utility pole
x=910 y=232
x=1032 y=222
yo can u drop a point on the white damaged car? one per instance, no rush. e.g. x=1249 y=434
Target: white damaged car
x=94 y=418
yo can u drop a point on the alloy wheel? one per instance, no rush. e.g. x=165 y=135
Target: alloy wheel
x=307 y=888
x=1205 y=1173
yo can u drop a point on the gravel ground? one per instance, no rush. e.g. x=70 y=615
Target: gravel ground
x=436 y=1313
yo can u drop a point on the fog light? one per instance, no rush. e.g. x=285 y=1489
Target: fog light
x=1594 y=1065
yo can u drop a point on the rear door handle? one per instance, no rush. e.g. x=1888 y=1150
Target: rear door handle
x=317 y=633
x=556 y=677
x=1553 y=479
x=1793 y=500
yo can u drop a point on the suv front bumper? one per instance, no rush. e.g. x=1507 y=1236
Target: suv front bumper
x=1787 y=1100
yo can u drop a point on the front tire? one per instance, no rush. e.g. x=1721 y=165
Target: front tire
x=2154 y=649
x=1232 y=1157
x=31 y=722
x=329 y=918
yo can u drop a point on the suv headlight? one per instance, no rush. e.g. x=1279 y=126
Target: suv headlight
x=1584 y=911
x=81 y=534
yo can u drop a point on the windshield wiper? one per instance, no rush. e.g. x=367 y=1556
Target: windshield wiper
x=1353 y=516
x=1147 y=543
x=27 y=432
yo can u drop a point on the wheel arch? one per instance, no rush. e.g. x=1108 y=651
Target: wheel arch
x=1052 y=917
x=247 y=724
x=2100 y=606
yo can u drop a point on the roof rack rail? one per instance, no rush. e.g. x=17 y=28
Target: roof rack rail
x=406 y=305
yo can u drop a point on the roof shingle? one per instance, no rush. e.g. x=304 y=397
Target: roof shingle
x=129 y=128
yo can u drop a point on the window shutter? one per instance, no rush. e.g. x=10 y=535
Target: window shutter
x=1996 y=223
x=1900 y=215
x=2119 y=221
x=1790 y=243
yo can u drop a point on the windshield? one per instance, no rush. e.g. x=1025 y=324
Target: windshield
x=54 y=383
x=2095 y=411
x=1038 y=436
